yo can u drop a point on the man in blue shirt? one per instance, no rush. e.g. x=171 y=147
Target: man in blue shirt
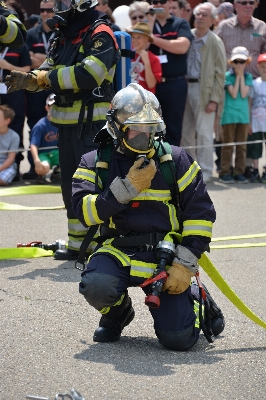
x=172 y=37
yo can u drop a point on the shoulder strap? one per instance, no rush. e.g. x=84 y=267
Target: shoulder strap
x=168 y=170
x=102 y=162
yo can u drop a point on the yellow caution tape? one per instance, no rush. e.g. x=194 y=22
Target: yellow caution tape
x=24 y=252
x=22 y=190
x=219 y=281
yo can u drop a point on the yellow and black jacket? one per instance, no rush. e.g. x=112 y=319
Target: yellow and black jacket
x=12 y=31
x=151 y=211
x=93 y=66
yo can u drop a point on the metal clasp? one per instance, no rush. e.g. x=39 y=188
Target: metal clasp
x=99 y=89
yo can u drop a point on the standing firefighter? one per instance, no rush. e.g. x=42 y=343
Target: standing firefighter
x=79 y=68
x=12 y=31
x=125 y=188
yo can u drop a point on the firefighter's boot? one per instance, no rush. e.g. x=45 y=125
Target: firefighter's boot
x=110 y=329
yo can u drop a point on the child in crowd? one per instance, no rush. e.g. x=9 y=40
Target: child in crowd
x=9 y=140
x=146 y=68
x=44 y=134
x=258 y=120
x=235 y=117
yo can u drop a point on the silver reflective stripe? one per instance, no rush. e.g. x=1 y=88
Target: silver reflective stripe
x=96 y=67
x=76 y=226
x=66 y=78
x=141 y=269
x=11 y=32
x=197 y=228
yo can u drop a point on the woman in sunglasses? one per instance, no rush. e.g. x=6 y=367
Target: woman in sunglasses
x=236 y=117
x=137 y=12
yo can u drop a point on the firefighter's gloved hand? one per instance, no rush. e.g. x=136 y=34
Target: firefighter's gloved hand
x=30 y=81
x=43 y=80
x=139 y=177
x=21 y=80
x=136 y=180
x=184 y=266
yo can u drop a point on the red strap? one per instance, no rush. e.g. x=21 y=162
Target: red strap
x=107 y=29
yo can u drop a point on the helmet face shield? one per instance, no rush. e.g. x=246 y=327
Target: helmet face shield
x=62 y=5
x=135 y=118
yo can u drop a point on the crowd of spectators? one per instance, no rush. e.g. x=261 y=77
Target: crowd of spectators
x=185 y=57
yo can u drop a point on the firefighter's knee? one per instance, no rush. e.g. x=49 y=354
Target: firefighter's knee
x=179 y=341
x=99 y=290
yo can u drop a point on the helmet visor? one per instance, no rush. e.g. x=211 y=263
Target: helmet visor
x=147 y=128
x=62 y=5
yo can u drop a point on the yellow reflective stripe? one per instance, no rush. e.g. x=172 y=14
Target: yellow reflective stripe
x=89 y=210
x=87 y=175
x=107 y=248
x=154 y=195
x=11 y=31
x=196 y=311
x=111 y=223
x=106 y=310
x=188 y=177
x=173 y=217
x=142 y=269
x=111 y=73
x=70 y=115
x=96 y=68
x=197 y=227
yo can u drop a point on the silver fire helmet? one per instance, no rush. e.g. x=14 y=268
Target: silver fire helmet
x=136 y=108
x=65 y=5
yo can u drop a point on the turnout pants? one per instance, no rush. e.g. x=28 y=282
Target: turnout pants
x=105 y=282
x=71 y=148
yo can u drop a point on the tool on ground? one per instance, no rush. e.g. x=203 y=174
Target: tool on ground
x=58 y=244
x=165 y=252
x=60 y=396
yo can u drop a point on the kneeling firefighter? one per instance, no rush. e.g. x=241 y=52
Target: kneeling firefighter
x=79 y=68
x=123 y=188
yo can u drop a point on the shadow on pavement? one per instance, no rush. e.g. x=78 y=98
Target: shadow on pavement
x=148 y=357
x=54 y=274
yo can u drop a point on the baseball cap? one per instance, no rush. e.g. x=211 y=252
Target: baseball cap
x=261 y=58
x=141 y=27
x=50 y=99
x=239 y=52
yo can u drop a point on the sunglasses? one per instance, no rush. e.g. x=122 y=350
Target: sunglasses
x=155 y=2
x=204 y=14
x=244 y=3
x=239 y=61
x=48 y=10
x=137 y=17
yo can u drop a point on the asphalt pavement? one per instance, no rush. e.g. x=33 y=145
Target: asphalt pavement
x=47 y=327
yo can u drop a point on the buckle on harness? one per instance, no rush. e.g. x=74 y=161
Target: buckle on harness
x=80 y=268
x=62 y=98
x=98 y=89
